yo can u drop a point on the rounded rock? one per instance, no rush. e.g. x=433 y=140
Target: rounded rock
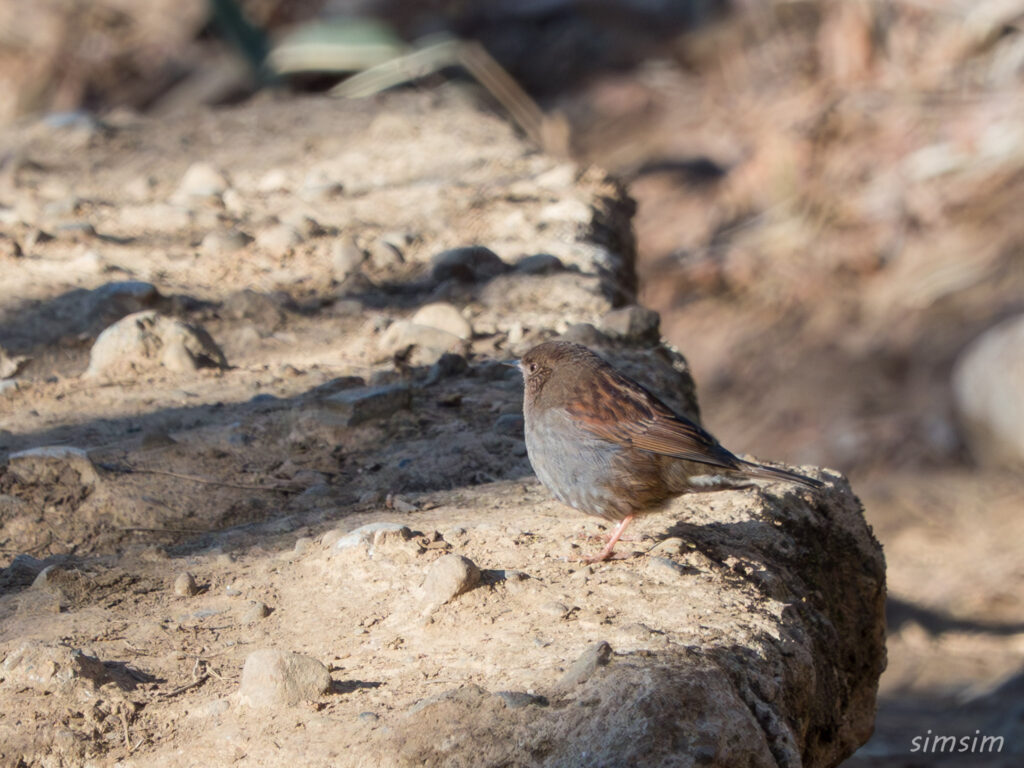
x=447 y=578
x=272 y=678
x=988 y=384
x=445 y=317
x=185 y=585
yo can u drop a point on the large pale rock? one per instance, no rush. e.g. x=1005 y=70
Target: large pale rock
x=988 y=383
x=146 y=341
x=273 y=678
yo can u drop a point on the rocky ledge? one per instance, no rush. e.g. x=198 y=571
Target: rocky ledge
x=288 y=519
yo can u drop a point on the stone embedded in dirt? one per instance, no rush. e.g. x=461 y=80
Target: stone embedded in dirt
x=510 y=424
x=597 y=655
x=274 y=180
x=988 y=383
x=421 y=344
x=255 y=612
x=448 y=577
x=272 y=678
x=201 y=180
x=355 y=406
x=51 y=668
x=279 y=238
x=539 y=264
x=145 y=341
x=346 y=258
x=11 y=364
x=469 y=264
x=48 y=465
x=222 y=241
x=663 y=569
x=634 y=322
x=445 y=317
x=386 y=254
x=185 y=585
x=364 y=534
x=320 y=186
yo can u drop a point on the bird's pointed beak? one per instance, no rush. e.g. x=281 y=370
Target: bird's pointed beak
x=512 y=363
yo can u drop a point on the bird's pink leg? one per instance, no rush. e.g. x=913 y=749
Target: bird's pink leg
x=606 y=553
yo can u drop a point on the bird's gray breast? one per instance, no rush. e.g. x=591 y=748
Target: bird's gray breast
x=575 y=465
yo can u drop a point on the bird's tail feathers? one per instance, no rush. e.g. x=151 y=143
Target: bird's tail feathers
x=771 y=473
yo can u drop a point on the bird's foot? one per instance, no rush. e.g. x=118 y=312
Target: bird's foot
x=601 y=557
x=616 y=534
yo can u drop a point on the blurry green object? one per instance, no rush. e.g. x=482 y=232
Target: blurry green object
x=336 y=46
x=382 y=60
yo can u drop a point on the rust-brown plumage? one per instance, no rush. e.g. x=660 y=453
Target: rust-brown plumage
x=603 y=444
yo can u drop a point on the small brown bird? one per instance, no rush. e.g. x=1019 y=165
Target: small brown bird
x=603 y=444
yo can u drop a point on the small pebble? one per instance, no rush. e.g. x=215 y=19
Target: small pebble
x=597 y=655
x=255 y=612
x=185 y=585
x=279 y=238
x=449 y=577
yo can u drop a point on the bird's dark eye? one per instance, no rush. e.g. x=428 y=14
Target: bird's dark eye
x=533 y=367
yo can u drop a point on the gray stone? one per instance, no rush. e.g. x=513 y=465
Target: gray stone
x=468 y=264
x=445 y=317
x=539 y=264
x=355 y=406
x=447 y=578
x=988 y=384
x=8 y=387
x=272 y=678
x=145 y=341
x=597 y=655
x=185 y=585
x=634 y=322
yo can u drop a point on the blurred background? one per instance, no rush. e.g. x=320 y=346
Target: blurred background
x=829 y=220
